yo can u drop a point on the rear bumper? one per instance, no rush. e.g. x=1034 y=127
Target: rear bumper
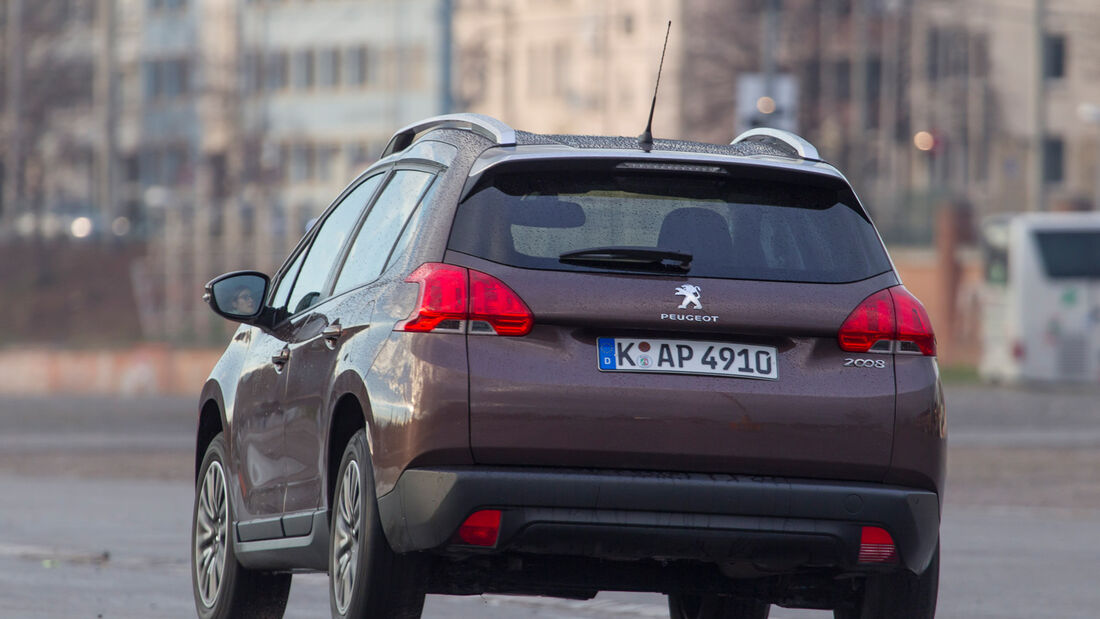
x=774 y=523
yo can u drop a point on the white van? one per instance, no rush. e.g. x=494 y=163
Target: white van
x=1041 y=299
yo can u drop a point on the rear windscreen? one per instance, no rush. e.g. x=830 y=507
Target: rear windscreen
x=733 y=228
x=1070 y=253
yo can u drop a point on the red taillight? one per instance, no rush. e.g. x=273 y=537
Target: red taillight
x=443 y=297
x=495 y=303
x=889 y=320
x=914 y=327
x=481 y=528
x=876 y=546
x=454 y=298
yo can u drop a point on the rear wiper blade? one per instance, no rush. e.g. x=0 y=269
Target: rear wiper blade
x=636 y=258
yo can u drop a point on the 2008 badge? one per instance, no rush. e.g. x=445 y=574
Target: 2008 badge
x=865 y=363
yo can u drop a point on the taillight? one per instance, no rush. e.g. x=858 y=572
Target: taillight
x=481 y=528
x=891 y=320
x=442 y=301
x=876 y=546
x=458 y=299
x=498 y=305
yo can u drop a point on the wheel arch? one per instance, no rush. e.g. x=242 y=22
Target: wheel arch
x=350 y=413
x=211 y=421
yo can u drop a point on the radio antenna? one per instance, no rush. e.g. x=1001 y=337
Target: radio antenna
x=645 y=140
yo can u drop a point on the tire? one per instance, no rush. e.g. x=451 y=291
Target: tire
x=222 y=588
x=367 y=580
x=715 y=607
x=900 y=595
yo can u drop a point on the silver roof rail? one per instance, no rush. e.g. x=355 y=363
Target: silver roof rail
x=485 y=126
x=786 y=139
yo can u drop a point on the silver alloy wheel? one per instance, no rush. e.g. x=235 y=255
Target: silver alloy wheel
x=345 y=554
x=211 y=527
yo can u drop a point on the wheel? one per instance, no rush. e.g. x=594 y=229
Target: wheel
x=367 y=579
x=223 y=588
x=901 y=595
x=715 y=607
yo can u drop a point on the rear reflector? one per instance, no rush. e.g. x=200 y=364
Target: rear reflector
x=481 y=528
x=461 y=300
x=876 y=546
x=891 y=320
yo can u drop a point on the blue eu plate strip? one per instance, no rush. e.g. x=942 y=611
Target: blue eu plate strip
x=606 y=347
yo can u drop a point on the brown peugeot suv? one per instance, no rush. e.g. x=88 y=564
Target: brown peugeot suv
x=556 y=364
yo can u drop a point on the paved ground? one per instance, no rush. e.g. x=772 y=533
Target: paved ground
x=95 y=502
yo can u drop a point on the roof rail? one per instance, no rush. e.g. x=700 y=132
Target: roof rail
x=485 y=126
x=786 y=139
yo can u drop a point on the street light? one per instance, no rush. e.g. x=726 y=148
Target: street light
x=1090 y=113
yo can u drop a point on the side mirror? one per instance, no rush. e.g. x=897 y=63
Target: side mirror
x=238 y=296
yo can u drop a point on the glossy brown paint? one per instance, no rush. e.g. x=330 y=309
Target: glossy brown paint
x=419 y=405
x=307 y=405
x=920 y=427
x=258 y=437
x=541 y=400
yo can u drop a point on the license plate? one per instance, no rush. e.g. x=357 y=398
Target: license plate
x=686 y=357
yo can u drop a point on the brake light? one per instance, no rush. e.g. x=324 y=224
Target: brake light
x=481 y=528
x=914 y=327
x=891 y=320
x=876 y=546
x=443 y=298
x=492 y=302
x=458 y=299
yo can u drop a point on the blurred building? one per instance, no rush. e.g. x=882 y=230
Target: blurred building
x=213 y=130
x=50 y=129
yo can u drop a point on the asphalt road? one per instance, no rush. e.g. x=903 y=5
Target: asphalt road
x=95 y=501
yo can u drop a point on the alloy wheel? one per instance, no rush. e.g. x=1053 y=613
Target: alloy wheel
x=211 y=539
x=345 y=559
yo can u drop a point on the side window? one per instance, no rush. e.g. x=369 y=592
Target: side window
x=326 y=246
x=382 y=226
x=411 y=225
x=282 y=292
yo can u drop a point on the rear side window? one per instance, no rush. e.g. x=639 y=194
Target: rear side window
x=733 y=228
x=381 y=228
x=1070 y=253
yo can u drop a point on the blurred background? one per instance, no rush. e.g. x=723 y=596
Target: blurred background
x=149 y=145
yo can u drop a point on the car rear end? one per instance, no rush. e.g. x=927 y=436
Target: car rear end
x=698 y=359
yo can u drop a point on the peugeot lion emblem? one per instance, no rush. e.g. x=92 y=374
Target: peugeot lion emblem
x=691 y=295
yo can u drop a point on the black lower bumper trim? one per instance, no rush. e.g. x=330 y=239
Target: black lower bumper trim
x=770 y=521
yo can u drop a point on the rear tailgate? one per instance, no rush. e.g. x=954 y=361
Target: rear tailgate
x=542 y=399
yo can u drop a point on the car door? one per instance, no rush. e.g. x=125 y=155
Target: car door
x=335 y=326
x=258 y=415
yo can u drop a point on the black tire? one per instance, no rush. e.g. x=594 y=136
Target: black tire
x=221 y=587
x=367 y=580
x=900 y=595
x=715 y=607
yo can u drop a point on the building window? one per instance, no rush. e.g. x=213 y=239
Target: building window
x=1054 y=56
x=358 y=154
x=328 y=68
x=253 y=74
x=301 y=163
x=275 y=70
x=167 y=79
x=1054 y=151
x=325 y=156
x=303 y=70
x=355 y=71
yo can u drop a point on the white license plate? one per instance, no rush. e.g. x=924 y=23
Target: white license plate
x=617 y=354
